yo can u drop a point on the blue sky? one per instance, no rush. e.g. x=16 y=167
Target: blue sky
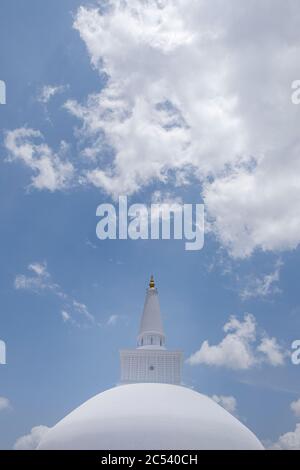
x=249 y=264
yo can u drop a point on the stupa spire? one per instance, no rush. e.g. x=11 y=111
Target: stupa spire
x=151 y=361
x=151 y=332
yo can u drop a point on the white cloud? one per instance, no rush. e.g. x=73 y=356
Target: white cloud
x=39 y=268
x=242 y=347
x=49 y=91
x=159 y=197
x=83 y=310
x=4 y=404
x=244 y=217
x=191 y=86
x=295 y=407
x=66 y=316
x=227 y=402
x=51 y=171
x=234 y=351
x=288 y=441
x=113 y=320
x=263 y=286
x=273 y=352
x=31 y=440
x=150 y=53
x=190 y=90
x=74 y=312
x=40 y=280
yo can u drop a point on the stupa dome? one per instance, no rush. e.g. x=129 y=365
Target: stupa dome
x=150 y=416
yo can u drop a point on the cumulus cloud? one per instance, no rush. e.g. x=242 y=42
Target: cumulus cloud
x=4 y=404
x=51 y=171
x=288 y=441
x=189 y=91
x=39 y=280
x=295 y=407
x=272 y=351
x=155 y=113
x=190 y=85
x=243 y=347
x=256 y=207
x=31 y=441
x=291 y=439
x=227 y=402
x=49 y=91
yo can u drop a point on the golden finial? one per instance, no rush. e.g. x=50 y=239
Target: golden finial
x=152 y=283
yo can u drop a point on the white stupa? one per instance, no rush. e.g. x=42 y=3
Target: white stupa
x=150 y=409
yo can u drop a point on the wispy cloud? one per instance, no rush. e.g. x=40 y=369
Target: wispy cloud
x=113 y=320
x=51 y=170
x=4 y=404
x=264 y=286
x=66 y=316
x=39 y=280
x=49 y=91
x=83 y=310
x=116 y=319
